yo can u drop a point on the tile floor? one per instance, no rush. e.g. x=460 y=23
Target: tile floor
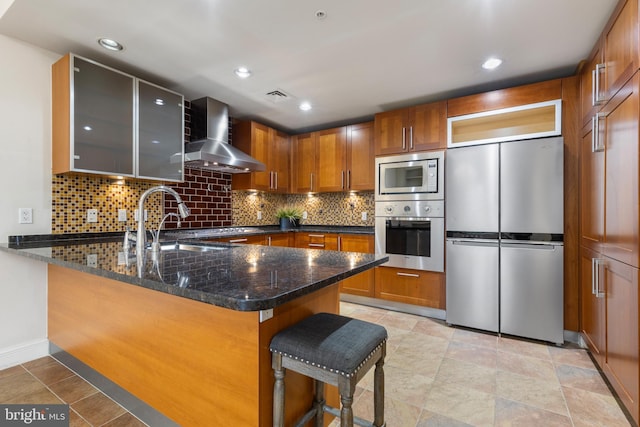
x=435 y=376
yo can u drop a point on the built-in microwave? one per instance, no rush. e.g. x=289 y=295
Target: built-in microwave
x=417 y=176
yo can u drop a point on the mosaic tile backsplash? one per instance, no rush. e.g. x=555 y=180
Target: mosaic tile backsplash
x=208 y=197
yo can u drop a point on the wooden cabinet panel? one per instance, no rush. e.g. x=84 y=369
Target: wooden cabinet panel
x=327 y=241
x=591 y=192
x=361 y=284
x=304 y=152
x=418 y=128
x=622 y=240
x=622 y=360
x=269 y=146
x=588 y=99
x=504 y=98
x=360 y=157
x=331 y=161
x=592 y=306
x=280 y=239
x=620 y=45
x=416 y=287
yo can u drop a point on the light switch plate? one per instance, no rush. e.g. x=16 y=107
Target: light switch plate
x=364 y=216
x=122 y=215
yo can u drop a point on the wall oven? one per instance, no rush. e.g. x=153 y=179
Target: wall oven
x=411 y=234
x=417 y=176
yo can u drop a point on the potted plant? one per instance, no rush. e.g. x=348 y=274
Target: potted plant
x=289 y=217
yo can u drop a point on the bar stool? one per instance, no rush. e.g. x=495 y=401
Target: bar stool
x=331 y=349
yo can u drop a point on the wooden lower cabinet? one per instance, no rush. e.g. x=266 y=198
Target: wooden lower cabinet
x=425 y=288
x=327 y=241
x=609 y=313
x=622 y=362
x=361 y=284
x=249 y=240
x=280 y=239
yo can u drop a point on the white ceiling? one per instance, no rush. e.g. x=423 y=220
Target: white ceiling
x=366 y=56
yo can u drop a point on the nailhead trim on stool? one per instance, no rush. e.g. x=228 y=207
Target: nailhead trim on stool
x=331 y=349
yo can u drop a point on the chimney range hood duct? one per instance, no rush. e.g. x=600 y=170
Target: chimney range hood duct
x=210 y=148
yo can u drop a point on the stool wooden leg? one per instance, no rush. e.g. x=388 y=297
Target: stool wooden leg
x=346 y=414
x=278 y=391
x=378 y=394
x=318 y=403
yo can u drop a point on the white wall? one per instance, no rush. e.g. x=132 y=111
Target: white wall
x=25 y=181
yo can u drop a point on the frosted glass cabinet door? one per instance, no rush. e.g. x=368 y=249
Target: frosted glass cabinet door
x=160 y=133
x=103 y=131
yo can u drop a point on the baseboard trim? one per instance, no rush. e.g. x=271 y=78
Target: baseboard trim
x=23 y=353
x=395 y=306
x=137 y=407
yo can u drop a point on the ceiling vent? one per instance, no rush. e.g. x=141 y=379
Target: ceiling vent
x=277 y=96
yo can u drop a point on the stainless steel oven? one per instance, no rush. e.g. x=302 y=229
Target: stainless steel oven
x=416 y=176
x=411 y=233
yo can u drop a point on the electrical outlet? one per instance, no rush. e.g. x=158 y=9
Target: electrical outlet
x=92 y=215
x=259 y=215
x=25 y=216
x=364 y=216
x=136 y=216
x=122 y=215
x=92 y=260
x=305 y=215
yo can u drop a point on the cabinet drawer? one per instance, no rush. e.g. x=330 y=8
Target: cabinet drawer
x=328 y=241
x=425 y=288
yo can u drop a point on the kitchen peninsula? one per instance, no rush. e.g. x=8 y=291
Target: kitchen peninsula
x=188 y=333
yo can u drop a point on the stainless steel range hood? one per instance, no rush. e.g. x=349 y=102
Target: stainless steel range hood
x=210 y=148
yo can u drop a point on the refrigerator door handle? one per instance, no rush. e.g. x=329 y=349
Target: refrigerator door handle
x=542 y=246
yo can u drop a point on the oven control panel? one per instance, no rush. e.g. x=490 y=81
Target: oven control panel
x=411 y=209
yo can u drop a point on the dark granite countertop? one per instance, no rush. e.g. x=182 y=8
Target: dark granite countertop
x=239 y=277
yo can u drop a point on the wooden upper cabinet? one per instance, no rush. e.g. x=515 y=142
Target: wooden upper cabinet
x=304 y=151
x=590 y=95
x=613 y=61
x=418 y=128
x=338 y=159
x=505 y=98
x=269 y=146
x=332 y=161
x=360 y=157
x=620 y=47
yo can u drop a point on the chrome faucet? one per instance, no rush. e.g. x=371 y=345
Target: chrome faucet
x=141 y=233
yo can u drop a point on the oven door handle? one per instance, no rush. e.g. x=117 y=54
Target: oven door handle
x=473 y=242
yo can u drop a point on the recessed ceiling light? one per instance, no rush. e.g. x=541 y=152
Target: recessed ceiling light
x=110 y=44
x=492 y=63
x=305 y=106
x=242 y=72
x=321 y=14
x=87 y=128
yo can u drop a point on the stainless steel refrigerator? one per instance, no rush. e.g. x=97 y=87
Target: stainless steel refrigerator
x=504 y=248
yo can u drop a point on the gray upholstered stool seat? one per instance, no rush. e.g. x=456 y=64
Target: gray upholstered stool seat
x=331 y=349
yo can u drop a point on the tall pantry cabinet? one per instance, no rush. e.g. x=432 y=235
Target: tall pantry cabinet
x=609 y=205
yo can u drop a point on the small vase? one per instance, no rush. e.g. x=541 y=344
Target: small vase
x=287 y=224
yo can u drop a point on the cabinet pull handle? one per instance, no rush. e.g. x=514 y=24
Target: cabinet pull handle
x=268 y=240
x=594 y=133
x=316 y=235
x=342 y=180
x=349 y=179
x=596 y=96
x=599 y=293
x=593 y=276
x=237 y=240
x=339 y=243
x=408 y=274
x=598 y=143
x=270 y=180
x=316 y=245
x=411 y=137
x=275 y=183
x=404 y=138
